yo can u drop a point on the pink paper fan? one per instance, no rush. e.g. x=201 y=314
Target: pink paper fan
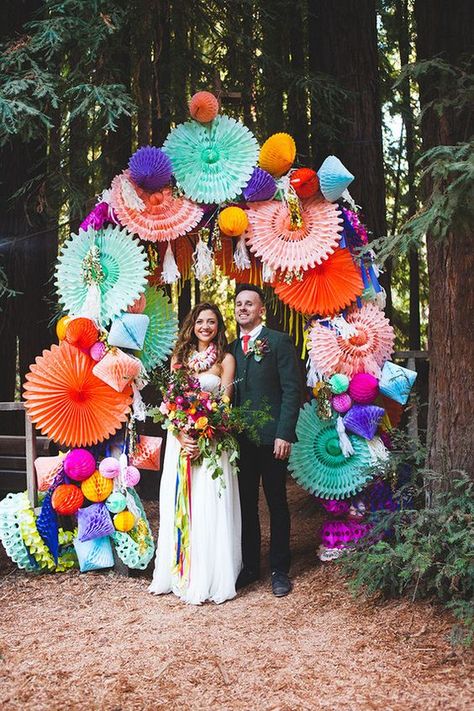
x=163 y=218
x=269 y=235
x=364 y=352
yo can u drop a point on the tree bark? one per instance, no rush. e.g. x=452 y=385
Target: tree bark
x=446 y=30
x=297 y=95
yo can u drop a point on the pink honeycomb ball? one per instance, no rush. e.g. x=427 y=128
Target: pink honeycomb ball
x=79 y=464
x=342 y=402
x=363 y=388
x=97 y=351
x=109 y=467
x=132 y=476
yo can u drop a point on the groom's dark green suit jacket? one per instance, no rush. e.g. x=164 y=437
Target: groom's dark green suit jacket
x=276 y=378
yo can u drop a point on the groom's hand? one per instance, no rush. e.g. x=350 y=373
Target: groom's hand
x=281 y=449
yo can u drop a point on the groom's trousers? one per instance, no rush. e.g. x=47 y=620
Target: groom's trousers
x=258 y=462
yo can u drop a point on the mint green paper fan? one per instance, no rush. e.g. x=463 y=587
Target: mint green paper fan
x=212 y=163
x=123 y=265
x=11 y=509
x=316 y=460
x=162 y=329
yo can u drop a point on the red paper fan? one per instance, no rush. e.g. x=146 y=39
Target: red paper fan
x=326 y=288
x=270 y=237
x=225 y=260
x=68 y=403
x=164 y=217
x=363 y=352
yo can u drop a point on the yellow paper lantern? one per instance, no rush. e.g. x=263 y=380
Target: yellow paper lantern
x=277 y=154
x=233 y=221
x=97 y=488
x=124 y=521
x=61 y=327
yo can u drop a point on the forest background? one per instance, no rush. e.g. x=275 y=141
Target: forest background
x=386 y=86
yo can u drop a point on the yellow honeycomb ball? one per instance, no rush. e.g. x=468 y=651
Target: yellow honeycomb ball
x=124 y=521
x=97 y=488
x=61 y=327
x=233 y=221
x=277 y=154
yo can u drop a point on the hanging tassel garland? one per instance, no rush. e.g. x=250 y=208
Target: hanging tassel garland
x=170 y=273
x=344 y=442
x=241 y=255
x=203 y=257
x=268 y=275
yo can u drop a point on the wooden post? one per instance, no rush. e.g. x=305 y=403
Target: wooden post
x=30 y=451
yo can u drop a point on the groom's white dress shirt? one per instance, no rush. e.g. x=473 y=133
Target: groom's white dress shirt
x=254 y=333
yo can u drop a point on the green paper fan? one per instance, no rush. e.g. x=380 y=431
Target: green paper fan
x=123 y=264
x=316 y=460
x=162 y=329
x=212 y=163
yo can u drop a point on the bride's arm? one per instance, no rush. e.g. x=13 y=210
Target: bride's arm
x=228 y=374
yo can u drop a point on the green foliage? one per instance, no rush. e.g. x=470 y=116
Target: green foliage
x=429 y=555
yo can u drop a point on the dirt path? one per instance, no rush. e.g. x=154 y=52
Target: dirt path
x=97 y=641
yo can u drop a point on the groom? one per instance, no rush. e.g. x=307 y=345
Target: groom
x=267 y=369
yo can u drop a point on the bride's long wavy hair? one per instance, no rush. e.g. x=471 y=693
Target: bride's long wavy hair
x=187 y=341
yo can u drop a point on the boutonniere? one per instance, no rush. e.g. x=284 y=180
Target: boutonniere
x=259 y=349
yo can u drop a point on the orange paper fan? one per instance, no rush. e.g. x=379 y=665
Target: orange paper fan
x=326 y=288
x=271 y=238
x=366 y=344
x=68 y=403
x=163 y=217
x=225 y=260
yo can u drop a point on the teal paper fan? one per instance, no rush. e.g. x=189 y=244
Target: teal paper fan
x=162 y=329
x=212 y=163
x=120 y=264
x=316 y=460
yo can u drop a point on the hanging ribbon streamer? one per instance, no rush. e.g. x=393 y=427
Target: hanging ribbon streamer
x=203 y=256
x=241 y=255
x=170 y=273
x=344 y=442
x=182 y=517
x=130 y=196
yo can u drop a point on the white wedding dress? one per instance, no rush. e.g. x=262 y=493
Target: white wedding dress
x=215 y=535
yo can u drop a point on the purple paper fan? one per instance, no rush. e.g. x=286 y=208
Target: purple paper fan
x=150 y=168
x=261 y=186
x=47 y=525
x=363 y=420
x=94 y=522
x=339 y=534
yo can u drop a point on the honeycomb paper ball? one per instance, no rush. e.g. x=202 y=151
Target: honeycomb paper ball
x=97 y=487
x=61 y=327
x=67 y=499
x=82 y=333
x=116 y=502
x=339 y=383
x=342 y=402
x=305 y=182
x=79 y=464
x=203 y=107
x=97 y=351
x=131 y=476
x=124 y=521
x=233 y=221
x=363 y=388
x=277 y=154
x=109 y=467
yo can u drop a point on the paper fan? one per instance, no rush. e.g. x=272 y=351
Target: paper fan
x=123 y=271
x=363 y=352
x=325 y=289
x=68 y=403
x=162 y=330
x=212 y=163
x=163 y=217
x=47 y=525
x=271 y=238
x=317 y=462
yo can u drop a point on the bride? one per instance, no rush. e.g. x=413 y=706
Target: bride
x=215 y=525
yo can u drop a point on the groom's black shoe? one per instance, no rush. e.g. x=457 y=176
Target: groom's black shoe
x=281 y=584
x=246 y=577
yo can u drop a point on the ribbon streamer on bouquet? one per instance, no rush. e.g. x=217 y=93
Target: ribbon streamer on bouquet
x=182 y=518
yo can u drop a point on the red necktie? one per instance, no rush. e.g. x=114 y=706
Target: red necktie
x=245 y=343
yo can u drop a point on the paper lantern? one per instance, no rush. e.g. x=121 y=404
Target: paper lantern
x=94 y=522
x=81 y=333
x=97 y=351
x=363 y=388
x=162 y=329
x=109 y=467
x=334 y=178
x=129 y=331
x=47 y=525
x=147 y=453
x=95 y=554
x=124 y=521
x=203 y=106
x=396 y=382
x=150 y=168
x=261 y=186
x=363 y=420
x=233 y=221
x=97 y=487
x=339 y=383
x=67 y=499
x=305 y=182
x=61 y=327
x=46 y=470
x=277 y=154
x=131 y=476
x=138 y=306
x=116 y=502
x=341 y=403
x=79 y=464
x=68 y=403
x=271 y=237
x=117 y=369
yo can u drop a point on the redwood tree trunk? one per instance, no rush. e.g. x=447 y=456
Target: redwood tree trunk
x=446 y=30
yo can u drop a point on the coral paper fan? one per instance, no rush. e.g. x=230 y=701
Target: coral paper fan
x=212 y=163
x=364 y=352
x=164 y=216
x=68 y=403
x=326 y=288
x=271 y=238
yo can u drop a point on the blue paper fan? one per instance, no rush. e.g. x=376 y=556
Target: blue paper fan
x=123 y=264
x=317 y=462
x=162 y=329
x=212 y=163
x=47 y=525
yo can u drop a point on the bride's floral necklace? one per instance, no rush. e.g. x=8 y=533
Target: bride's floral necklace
x=200 y=361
